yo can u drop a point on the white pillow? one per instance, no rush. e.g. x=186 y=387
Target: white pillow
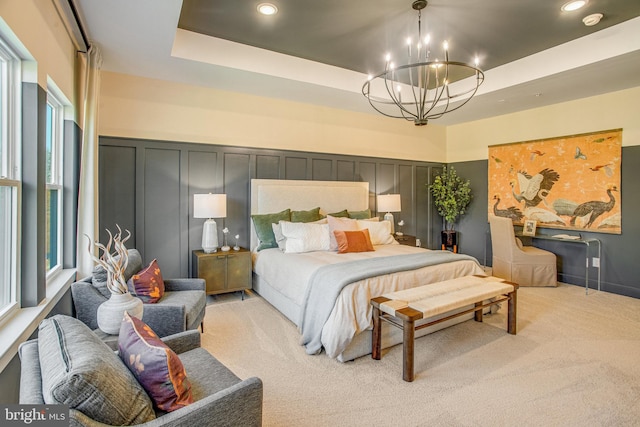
x=277 y=232
x=380 y=232
x=342 y=224
x=280 y=239
x=305 y=237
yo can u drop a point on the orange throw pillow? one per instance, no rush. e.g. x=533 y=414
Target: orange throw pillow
x=353 y=241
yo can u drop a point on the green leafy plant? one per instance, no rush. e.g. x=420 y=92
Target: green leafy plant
x=451 y=195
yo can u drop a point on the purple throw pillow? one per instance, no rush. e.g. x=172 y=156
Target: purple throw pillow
x=156 y=367
x=147 y=284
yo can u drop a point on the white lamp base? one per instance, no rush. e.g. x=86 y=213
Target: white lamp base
x=225 y=248
x=389 y=217
x=210 y=236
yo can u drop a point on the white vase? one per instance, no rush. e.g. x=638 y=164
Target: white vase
x=111 y=312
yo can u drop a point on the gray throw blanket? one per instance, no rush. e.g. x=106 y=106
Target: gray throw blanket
x=326 y=283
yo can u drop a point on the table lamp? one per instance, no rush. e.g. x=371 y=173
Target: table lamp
x=389 y=203
x=209 y=206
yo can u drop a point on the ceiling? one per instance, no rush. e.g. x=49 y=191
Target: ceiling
x=320 y=52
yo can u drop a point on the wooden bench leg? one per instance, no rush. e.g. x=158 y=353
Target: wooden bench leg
x=408 y=349
x=511 y=316
x=478 y=313
x=376 y=339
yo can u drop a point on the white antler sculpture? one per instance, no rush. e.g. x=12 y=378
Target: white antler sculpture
x=115 y=263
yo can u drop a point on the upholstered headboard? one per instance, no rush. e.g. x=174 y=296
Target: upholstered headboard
x=275 y=195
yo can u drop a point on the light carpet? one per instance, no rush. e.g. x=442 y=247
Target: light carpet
x=575 y=361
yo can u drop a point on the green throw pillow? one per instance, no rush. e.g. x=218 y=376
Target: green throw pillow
x=342 y=214
x=365 y=214
x=306 y=216
x=264 y=231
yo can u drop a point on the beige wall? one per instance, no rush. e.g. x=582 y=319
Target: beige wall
x=38 y=27
x=137 y=107
x=469 y=141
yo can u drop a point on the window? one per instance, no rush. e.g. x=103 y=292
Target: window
x=54 y=146
x=9 y=176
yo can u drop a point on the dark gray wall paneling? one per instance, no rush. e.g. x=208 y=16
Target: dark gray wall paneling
x=117 y=167
x=422 y=202
x=149 y=186
x=268 y=167
x=296 y=168
x=472 y=231
x=202 y=178
x=33 y=267
x=237 y=189
x=346 y=170
x=386 y=178
x=406 y=188
x=163 y=209
x=194 y=166
x=619 y=258
x=71 y=179
x=322 y=170
x=368 y=173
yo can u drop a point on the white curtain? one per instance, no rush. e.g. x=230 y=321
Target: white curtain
x=88 y=188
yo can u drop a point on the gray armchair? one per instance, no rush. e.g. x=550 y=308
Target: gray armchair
x=181 y=308
x=89 y=383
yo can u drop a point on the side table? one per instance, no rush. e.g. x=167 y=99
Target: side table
x=223 y=272
x=406 y=240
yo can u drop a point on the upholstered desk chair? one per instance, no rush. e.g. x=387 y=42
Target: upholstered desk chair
x=182 y=307
x=524 y=265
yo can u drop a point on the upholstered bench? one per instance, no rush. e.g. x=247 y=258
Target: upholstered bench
x=403 y=308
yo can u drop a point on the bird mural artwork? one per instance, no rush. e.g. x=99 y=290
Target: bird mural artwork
x=543 y=216
x=510 y=212
x=601 y=140
x=536 y=153
x=594 y=208
x=606 y=168
x=569 y=182
x=534 y=189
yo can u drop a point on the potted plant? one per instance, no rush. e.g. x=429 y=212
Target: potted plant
x=451 y=195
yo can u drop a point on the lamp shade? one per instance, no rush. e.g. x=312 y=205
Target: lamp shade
x=389 y=203
x=209 y=205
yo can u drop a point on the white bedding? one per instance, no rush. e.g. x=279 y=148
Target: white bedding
x=290 y=273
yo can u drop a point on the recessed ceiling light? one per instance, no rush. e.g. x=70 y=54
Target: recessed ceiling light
x=592 y=19
x=574 y=5
x=267 y=9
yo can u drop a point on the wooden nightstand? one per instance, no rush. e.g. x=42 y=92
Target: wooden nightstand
x=406 y=240
x=223 y=271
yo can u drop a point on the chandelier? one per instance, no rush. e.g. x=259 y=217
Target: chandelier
x=431 y=88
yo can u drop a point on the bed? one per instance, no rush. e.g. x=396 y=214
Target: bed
x=304 y=286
